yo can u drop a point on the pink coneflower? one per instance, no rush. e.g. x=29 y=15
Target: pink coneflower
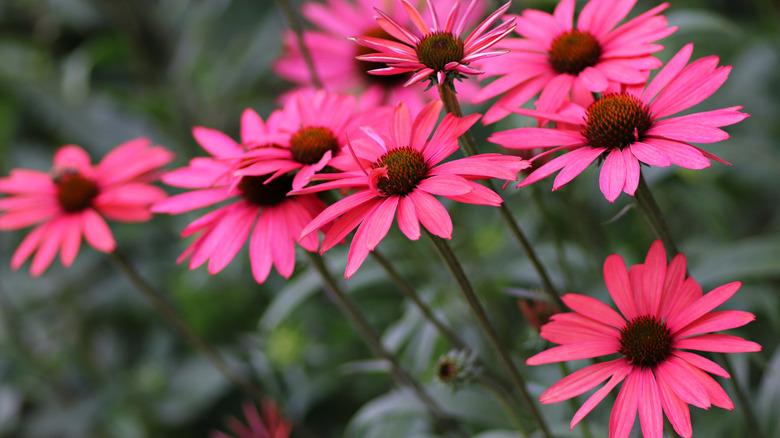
x=333 y=55
x=271 y=425
x=567 y=63
x=73 y=199
x=663 y=315
x=438 y=53
x=260 y=205
x=628 y=126
x=311 y=130
x=396 y=172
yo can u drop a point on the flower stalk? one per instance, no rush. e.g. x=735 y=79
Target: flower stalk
x=402 y=377
x=652 y=213
x=295 y=25
x=465 y=287
x=451 y=105
x=486 y=378
x=170 y=314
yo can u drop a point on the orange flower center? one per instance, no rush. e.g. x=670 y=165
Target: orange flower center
x=406 y=167
x=255 y=190
x=438 y=49
x=645 y=342
x=571 y=52
x=385 y=81
x=616 y=121
x=75 y=192
x=308 y=145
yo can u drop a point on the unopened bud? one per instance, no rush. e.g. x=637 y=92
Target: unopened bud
x=457 y=368
x=537 y=312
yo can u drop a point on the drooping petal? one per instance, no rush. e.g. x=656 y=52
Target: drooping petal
x=581 y=350
x=582 y=381
x=96 y=231
x=431 y=214
x=594 y=309
x=650 y=411
x=618 y=376
x=623 y=415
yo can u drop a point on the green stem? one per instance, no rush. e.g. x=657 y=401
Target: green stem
x=455 y=268
x=652 y=213
x=452 y=106
x=750 y=416
x=559 y=251
x=351 y=311
x=575 y=404
x=170 y=314
x=410 y=293
x=488 y=380
x=295 y=25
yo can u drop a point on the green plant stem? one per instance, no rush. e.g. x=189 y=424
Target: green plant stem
x=559 y=251
x=170 y=314
x=455 y=268
x=452 y=106
x=408 y=291
x=750 y=416
x=487 y=379
x=575 y=404
x=351 y=311
x=652 y=213
x=295 y=25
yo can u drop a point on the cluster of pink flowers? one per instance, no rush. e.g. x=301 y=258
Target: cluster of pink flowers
x=389 y=154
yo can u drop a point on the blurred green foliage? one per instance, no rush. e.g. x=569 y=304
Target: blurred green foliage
x=83 y=355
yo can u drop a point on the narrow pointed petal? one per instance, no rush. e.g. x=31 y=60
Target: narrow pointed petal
x=619 y=286
x=703 y=305
x=623 y=415
x=717 y=343
x=676 y=410
x=582 y=350
x=618 y=376
x=650 y=411
x=582 y=381
x=594 y=309
x=407 y=218
x=613 y=175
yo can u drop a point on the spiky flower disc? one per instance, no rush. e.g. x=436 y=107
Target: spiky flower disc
x=662 y=315
x=436 y=53
x=629 y=125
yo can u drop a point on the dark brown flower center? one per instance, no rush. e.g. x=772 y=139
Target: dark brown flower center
x=438 y=49
x=308 y=145
x=386 y=81
x=616 y=121
x=406 y=167
x=75 y=192
x=645 y=342
x=571 y=52
x=446 y=370
x=256 y=191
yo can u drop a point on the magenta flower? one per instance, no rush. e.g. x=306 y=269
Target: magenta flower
x=260 y=205
x=307 y=134
x=270 y=425
x=570 y=64
x=631 y=126
x=663 y=315
x=73 y=199
x=438 y=53
x=333 y=55
x=397 y=172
